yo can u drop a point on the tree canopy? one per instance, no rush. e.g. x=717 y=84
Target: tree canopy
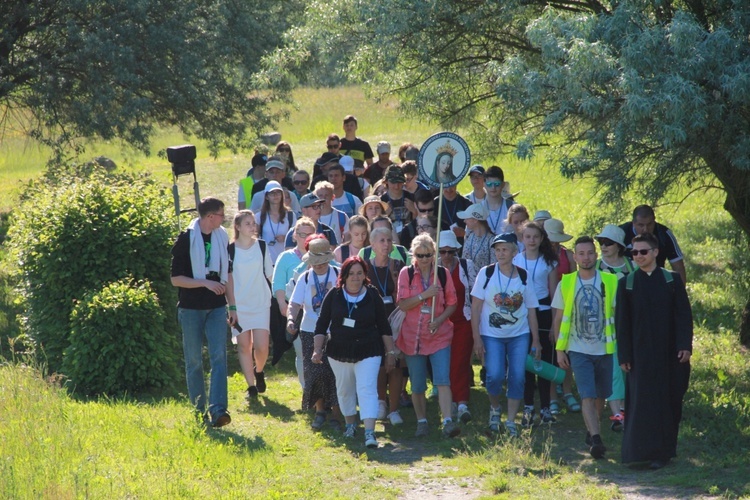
x=114 y=69
x=644 y=94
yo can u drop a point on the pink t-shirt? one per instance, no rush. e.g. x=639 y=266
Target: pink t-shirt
x=415 y=337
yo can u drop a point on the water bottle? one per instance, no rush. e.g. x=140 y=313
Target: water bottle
x=537 y=362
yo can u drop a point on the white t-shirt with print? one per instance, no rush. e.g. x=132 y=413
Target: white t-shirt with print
x=305 y=292
x=506 y=304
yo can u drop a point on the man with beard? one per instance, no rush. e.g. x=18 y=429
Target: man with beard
x=654 y=344
x=584 y=329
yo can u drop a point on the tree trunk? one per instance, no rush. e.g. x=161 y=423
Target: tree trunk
x=737 y=187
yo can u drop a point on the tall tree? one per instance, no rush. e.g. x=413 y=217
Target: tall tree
x=645 y=94
x=72 y=69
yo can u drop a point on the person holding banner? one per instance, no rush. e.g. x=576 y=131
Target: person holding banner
x=422 y=287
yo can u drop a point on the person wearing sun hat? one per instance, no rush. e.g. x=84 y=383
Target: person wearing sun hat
x=503 y=322
x=311 y=287
x=463 y=274
x=478 y=235
x=613 y=260
x=373 y=211
x=542 y=215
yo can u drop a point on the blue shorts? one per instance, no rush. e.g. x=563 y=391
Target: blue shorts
x=593 y=374
x=441 y=369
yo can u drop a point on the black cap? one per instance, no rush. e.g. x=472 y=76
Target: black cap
x=504 y=238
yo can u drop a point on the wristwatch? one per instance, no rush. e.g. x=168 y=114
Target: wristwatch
x=420 y=297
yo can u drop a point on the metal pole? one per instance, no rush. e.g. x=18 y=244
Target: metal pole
x=437 y=248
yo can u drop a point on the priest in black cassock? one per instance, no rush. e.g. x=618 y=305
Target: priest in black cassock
x=654 y=326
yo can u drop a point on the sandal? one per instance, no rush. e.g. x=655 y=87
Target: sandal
x=572 y=402
x=554 y=407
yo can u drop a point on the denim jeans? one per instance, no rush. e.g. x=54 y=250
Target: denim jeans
x=211 y=323
x=441 y=367
x=501 y=354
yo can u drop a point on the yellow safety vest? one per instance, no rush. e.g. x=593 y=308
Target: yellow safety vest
x=247 y=187
x=568 y=288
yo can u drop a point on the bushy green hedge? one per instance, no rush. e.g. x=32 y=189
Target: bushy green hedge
x=73 y=233
x=118 y=343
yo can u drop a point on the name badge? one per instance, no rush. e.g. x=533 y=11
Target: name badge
x=593 y=319
x=425 y=310
x=387 y=299
x=398 y=226
x=349 y=322
x=271 y=243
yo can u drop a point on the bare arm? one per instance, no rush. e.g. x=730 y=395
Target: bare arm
x=678 y=266
x=185 y=282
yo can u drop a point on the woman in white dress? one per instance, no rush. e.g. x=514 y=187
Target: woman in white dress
x=249 y=298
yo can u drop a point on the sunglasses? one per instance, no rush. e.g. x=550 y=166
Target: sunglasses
x=299 y=183
x=641 y=252
x=423 y=255
x=333 y=146
x=426 y=210
x=493 y=184
x=606 y=243
x=447 y=252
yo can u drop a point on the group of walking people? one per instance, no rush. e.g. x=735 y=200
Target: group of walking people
x=366 y=314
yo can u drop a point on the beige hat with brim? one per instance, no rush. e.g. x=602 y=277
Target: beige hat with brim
x=556 y=231
x=373 y=199
x=476 y=211
x=319 y=252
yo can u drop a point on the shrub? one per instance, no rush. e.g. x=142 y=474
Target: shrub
x=118 y=342
x=74 y=232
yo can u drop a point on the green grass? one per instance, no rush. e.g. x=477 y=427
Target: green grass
x=53 y=445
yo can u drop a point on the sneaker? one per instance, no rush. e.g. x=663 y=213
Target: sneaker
x=382 y=410
x=618 y=422
x=350 y=431
x=318 y=421
x=554 y=407
x=450 y=429
x=260 y=381
x=222 y=419
x=395 y=418
x=334 y=424
x=494 y=420
x=597 y=448
x=464 y=416
x=252 y=393
x=511 y=428
x=422 y=429
x=527 y=421
x=546 y=417
x=370 y=440
x=405 y=400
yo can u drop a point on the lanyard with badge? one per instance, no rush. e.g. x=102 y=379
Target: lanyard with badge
x=273 y=232
x=504 y=293
x=351 y=305
x=425 y=309
x=383 y=285
x=317 y=299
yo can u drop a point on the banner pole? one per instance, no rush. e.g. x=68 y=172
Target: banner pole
x=437 y=249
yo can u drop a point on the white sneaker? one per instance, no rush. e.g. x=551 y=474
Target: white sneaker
x=370 y=440
x=395 y=418
x=382 y=410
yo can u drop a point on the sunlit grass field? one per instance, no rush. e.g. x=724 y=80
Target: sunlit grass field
x=53 y=445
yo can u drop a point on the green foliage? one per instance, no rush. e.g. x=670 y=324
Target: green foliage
x=71 y=235
x=118 y=342
x=115 y=69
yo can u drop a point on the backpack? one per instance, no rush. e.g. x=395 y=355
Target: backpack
x=401 y=251
x=262 y=245
x=490 y=270
x=307 y=275
x=442 y=275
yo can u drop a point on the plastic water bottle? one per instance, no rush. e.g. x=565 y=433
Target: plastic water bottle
x=537 y=362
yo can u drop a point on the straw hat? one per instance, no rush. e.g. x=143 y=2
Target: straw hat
x=373 y=199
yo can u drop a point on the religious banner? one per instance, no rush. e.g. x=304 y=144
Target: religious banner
x=444 y=158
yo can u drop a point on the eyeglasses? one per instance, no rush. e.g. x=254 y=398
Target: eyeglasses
x=304 y=235
x=644 y=251
x=333 y=146
x=300 y=183
x=424 y=228
x=493 y=184
x=423 y=255
x=425 y=210
x=606 y=243
x=447 y=252
x=219 y=215
x=315 y=207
